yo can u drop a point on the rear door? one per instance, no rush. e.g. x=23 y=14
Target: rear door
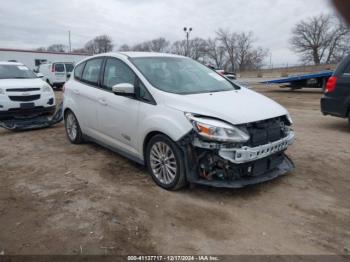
x=59 y=73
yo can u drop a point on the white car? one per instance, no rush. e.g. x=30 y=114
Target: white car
x=182 y=120
x=22 y=93
x=57 y=73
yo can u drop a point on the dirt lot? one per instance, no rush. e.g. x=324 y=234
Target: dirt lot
x=58 y=198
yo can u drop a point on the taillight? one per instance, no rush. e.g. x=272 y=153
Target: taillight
x=332 y=82
x=63 y=88
x=53 y=68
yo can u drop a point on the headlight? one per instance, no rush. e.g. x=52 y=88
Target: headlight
x=47 y=88
x=217 y=130
x=2 y=91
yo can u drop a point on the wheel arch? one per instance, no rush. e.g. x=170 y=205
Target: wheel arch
x=148 y=138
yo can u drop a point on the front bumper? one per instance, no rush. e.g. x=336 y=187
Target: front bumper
x=216 y=165
x=282 y=169
x=249 y=154
x=19 y=112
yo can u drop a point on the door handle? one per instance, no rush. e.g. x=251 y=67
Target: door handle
x=102 y=101
x=76 y=91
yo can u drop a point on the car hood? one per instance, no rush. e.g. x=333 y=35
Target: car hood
x=21 y=83
x=236 y=107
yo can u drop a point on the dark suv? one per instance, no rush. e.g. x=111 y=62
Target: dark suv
x=336 y=99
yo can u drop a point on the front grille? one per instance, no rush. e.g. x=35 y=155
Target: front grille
x=23 y=89
x=267 y=131
x=24 y=98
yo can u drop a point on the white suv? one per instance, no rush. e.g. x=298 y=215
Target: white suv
x=185 y=122
x=22 y=93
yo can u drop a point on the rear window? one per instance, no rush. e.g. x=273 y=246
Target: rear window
x=59 y=68
x=69 y=67
x=79 y=71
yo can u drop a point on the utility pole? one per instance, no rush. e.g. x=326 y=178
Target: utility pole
x=187 y=31
x=69 y=42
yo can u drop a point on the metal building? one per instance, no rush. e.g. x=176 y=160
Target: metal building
x=33 y=59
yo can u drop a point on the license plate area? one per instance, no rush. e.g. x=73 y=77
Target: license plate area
x=27 y=105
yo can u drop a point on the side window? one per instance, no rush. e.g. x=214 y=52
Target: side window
x=92 y=69
x=78 y=71
x=117 y=72
x=59 y=68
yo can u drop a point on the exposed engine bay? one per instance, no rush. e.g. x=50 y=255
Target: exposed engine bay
x=260 y=159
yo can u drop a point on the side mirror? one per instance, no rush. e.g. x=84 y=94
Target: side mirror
x=39 y=75
x=124 y=89
x=68 y=75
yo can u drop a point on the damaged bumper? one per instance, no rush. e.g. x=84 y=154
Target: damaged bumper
x=235 y=166
x=283 y=168
x=35 y=122
x=249 y=154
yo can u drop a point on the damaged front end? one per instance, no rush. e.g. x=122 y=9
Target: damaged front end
x=255 y=159
x=31 y=122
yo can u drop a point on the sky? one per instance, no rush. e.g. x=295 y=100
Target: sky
x=30 y=24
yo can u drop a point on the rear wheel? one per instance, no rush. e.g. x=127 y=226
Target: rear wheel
x=73 y=130
x=165 y=163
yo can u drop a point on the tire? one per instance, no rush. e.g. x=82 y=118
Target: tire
x=165 y=163
x=72 y=127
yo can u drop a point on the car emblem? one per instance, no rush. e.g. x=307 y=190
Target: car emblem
x=25 y=94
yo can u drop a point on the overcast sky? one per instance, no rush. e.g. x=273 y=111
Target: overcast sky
x=29 y=24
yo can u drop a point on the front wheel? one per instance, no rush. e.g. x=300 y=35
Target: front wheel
x=73 y=130
x=165 y=163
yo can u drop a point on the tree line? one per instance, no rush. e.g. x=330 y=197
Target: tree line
x=319 y=39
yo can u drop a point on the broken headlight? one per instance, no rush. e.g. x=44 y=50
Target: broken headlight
x=213 y=129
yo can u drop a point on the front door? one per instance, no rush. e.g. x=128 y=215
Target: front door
x=118 y=115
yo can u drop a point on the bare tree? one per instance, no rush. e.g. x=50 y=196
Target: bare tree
x=197 y=48
x=244 y=50
x=229 y=42
x=249 y=57
x=124 y=48
x=216 y=52
x=159 y=45
x=57 y=48
x=179 y=48
x=40 y=49
x=100 y=44
x=318 y=38
x=80 y=51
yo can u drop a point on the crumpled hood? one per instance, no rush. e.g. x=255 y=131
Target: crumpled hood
x=236 y=107
x=21 y=83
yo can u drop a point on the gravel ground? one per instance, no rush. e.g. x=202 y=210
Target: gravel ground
x=58 y=198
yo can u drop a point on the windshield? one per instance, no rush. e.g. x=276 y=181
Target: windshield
x=181 y=75
x=15 y=72
x=69 y=68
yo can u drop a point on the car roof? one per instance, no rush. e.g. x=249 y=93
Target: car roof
x=10 y=63
x=140 y=54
